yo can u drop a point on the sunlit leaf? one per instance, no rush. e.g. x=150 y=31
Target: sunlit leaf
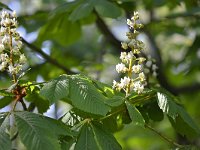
x=56 y=89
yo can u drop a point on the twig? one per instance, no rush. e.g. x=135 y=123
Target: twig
x=108 y=34
x=163 y=136
x=47 y=57
x=23 y=105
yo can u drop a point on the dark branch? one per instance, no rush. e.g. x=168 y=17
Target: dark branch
x=47 y=57
x=161 y=75
x=108 y=34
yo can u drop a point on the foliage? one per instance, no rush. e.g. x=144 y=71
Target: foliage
x=74 y=66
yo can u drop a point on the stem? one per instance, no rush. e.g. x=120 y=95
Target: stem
x=119 y=110
x=11 y=56
x=163 y=136
x=23 y=105
x=130 y=76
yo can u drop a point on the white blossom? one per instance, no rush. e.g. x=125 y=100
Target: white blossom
x=130 y=55
x=5 y=40
x=1 y=48
x=124 y=45
x=121 y=68
x=10 y=41
x=125 y=81
x=138 y=87
x=115 y=84
x=141 y=76
x=136 y=68
x=4 y=57
x=14 y=14
x=3 y=65
x=11 y=69
x=129 y=23
x=123 y=56
x=22 y=59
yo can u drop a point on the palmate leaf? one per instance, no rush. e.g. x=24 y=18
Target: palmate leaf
x=60 y=29
x=3 y=6
x=94 y=137
x=107 y=9
x=86 y=97
x=83 y=10
x=134 y=114
x=38 y=132
x=86 y=139
x=5 y=101
x=56 y=89
x=179 y=118
x=5 y=142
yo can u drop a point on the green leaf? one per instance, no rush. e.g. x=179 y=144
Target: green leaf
x=60 y=29
x=86 y=97
x=3 y=6
x=83 y=10
x=167 y=105
x=65 y=7
x=5 y=141
x=55 y=89
x=34 y=97
x=94 y=137
x=134 y=114
x=5 y=101
x=182 y=122
x=107 y=9
x=86 y=139
x=104 y=139
x=6 y=93
x=38 y=132
x=115 y=101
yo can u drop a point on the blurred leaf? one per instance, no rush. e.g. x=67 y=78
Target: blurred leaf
x=5 y=141
x=107 y=9
x=60 y=29
x=182 y=122
x=3 y=6
x=33 y=22
x=64 y=8
x=6 y=93
x=134 y=114
x=83 y=10
x=56 y=89
x=5 y=101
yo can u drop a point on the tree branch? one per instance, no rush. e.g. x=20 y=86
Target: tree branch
x=161 y=75
x=47 y=57
x=108 y=34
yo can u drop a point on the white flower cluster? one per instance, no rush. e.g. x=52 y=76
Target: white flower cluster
x=131 y=63
x=11 y=58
